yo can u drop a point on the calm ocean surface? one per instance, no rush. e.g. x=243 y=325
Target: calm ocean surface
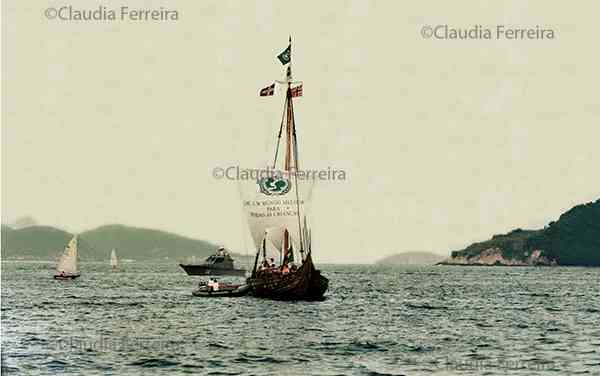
x=375 y=321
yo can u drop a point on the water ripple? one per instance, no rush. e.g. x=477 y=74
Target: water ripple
x=375 y=321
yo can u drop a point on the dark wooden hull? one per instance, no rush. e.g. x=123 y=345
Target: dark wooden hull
x=306 y=283
x=191 y=269
x=66 y=277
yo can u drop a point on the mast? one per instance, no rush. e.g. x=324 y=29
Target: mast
x=292 y=154
x=291 y=150
x=288 y=131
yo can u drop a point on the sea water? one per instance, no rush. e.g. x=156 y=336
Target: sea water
x=431 y=320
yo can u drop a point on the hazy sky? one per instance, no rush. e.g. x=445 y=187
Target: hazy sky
x=443 y=141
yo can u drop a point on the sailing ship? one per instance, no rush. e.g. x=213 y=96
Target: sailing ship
x=67 y=263
x=220 y=263
x=114 y=261
x=276 y=207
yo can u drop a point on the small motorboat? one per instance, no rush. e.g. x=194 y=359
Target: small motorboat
x=66 y=277
x=220 y=290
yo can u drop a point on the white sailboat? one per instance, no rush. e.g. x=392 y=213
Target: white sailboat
x=67 y=264
x=114 y=262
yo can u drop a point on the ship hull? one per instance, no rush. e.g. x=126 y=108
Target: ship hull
x=306 y=283
x=207 y=270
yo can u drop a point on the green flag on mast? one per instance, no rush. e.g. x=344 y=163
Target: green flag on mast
x=286 y=56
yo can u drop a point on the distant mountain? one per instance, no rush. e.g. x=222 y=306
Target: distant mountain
x=36 y=242
x=573 y=240
x=411 y=258
x=140 y=243
x=23 y=222
x=46 y=243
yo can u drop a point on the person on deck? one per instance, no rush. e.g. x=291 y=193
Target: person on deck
x=285 y=269
x=213 y=285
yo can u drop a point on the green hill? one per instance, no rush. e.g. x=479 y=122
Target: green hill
x=35 y=242
x=46 y=243
x=140 y=243
x=572 y=240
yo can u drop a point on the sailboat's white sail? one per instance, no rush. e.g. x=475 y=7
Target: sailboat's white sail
x=274 y=236
x=114 y=262
x=271 y=205
x=67 y=264
x=273 y=242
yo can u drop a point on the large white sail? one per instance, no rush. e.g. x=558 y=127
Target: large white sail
x=114 y=262
x=67 y=264
x=272 y=204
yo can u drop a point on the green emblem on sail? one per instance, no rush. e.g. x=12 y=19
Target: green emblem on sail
x=274 y=186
